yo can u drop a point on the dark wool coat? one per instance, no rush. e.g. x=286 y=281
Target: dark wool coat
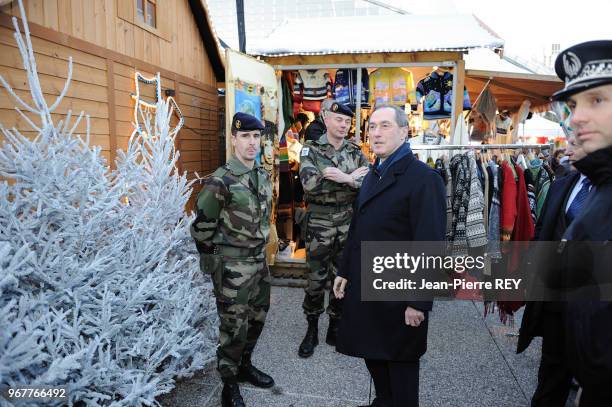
x=589 y=330
x=407 y=204
x=549 y=228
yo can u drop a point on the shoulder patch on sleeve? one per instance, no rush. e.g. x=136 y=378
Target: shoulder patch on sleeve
x=305 y=151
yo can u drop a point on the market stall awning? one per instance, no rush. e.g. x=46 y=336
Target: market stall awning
x=377 y=34
x=511 y=89
x=540 y=127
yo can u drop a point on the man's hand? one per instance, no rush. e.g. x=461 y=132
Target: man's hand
x=360 y=172
x=413 y=317
x=339 y=285
x=335 y=175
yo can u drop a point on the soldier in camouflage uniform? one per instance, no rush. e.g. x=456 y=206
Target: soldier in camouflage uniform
x=231 y=230
x=331 y=171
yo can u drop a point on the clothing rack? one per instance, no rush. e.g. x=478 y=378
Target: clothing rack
x=481 y=146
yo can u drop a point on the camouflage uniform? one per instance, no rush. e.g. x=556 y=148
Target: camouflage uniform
x=329 y=216
x=233 y=217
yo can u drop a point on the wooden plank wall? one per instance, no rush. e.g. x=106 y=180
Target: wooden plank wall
x=101 y=86
x=87 y=92
x=176 y=46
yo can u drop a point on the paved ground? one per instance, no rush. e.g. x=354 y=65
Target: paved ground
x=470 y=362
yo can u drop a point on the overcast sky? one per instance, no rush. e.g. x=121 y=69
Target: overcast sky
x=530 y=25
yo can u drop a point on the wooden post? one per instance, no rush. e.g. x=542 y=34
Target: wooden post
x=459 y=76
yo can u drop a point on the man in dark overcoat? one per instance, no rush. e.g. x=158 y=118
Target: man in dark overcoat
x=547 y=318
x=586 y=251
x=401 y=199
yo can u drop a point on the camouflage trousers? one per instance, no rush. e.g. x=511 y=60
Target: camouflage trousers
x=242 y=292
x=325 y=237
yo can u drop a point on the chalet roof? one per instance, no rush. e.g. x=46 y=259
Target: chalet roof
x=377 y=34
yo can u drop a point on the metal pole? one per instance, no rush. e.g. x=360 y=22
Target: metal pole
x=241 y=29
x=358 y=108
x=453 y=107
x=478 y=146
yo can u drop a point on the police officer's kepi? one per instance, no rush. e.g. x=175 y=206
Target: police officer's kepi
x=584 y=66
x=246 y=122
x=341 y=109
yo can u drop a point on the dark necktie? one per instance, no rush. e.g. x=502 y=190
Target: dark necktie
x=578 y=202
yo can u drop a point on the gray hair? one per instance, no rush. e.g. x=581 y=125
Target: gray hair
x=326 y=104
x=400 y=115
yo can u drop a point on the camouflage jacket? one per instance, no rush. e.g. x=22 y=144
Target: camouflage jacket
x=319 y=154
x=233 y=208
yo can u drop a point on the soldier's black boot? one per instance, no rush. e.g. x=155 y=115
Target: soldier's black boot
x=249 y=373
x=332 y=331
x=377 y=403
x=230 y=395
x=311 y=340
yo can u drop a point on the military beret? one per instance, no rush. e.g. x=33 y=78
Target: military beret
x=246 y=122
x=584 y=66
x=341 y=109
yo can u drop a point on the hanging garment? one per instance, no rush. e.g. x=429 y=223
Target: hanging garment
x=287 y=100
x=483 y=114
x=522 y=162
x=476 y=234
x=393 y=86
x=345 y=87
x=541 y=182
x=440 y=168
x=297 y=90
x=269 y=101
x=531 y=195
x=487 y=106
x=437 y=91
x=479 y=128
x=508 y=202
x=460 y=169
x=494 y=249
x=523 y=231
x=313 y=106
x=486 y=186
x=449 y=201
x=315 y=83
x=430 y=136
x=503 y=126
x=524 y=227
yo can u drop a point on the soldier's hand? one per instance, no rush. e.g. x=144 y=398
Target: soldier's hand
x=339 y=285
x=359 y=172
x=414 y=317
x=335 y=175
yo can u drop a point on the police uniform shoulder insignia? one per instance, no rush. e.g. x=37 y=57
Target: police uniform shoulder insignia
x=305 y=151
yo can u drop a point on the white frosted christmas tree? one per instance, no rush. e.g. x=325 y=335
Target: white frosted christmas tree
x=100 y=288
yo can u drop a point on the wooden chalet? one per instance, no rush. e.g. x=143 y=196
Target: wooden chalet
x=110 y=40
